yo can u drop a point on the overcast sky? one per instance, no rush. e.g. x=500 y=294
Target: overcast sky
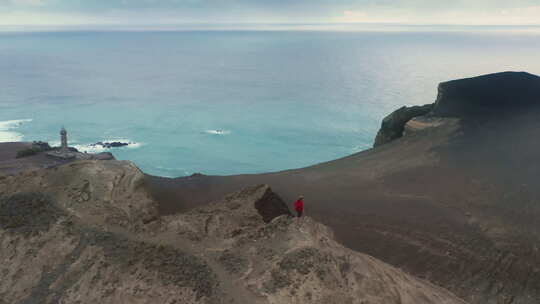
x=156 y=12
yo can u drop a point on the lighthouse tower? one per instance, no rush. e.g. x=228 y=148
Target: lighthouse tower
x=63 y=139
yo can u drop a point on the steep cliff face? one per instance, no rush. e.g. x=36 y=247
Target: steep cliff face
x=476 y=98
x=87 y=232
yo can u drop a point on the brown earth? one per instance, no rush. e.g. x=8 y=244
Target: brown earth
x=9 y=164
x=456 y=201
x=89 y=232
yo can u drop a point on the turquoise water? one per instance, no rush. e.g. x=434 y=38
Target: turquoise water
x=227 y=102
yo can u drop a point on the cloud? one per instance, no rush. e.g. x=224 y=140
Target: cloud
x=28 y=2
x=507 y=16
x=44 y=19
x=22 y=3
x=269 y=11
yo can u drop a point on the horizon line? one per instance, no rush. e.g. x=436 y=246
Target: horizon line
x=259 y=26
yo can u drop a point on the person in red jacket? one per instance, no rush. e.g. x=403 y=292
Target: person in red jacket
x=299 y=206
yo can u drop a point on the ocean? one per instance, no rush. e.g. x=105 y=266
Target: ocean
x=234 y=101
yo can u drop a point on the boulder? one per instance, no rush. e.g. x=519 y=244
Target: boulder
x=41 y=146
x=246 y=208
x=104 y=156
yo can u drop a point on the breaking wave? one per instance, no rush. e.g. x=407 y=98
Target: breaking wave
x=6 y=130
x=218 y=132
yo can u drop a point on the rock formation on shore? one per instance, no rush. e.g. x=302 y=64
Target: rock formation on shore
x=89 y=232
x=475 y=98
x=108 y=145
x=454 y=200
x=393 y=125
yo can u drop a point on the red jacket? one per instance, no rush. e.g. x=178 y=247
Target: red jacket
x=299 y=205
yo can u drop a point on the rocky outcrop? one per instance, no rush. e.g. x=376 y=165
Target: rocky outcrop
x=35 y=148
x=487 y=95
x=112 y=189
x=108 y=145
x=103 y=156
x=75 y=155
x=393 y=125
x=474 y=98
x=41 y=145
x=87 y=232
x=49 y=255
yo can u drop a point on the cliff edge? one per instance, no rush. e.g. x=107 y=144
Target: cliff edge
x=89 y=232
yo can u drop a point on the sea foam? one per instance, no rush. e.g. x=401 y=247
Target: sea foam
x=6 y=130
x=217 y=132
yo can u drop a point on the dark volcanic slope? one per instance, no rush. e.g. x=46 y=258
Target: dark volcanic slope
x=488 y=94
x=456 y=201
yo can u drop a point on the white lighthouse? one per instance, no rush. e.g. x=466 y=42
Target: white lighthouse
x=63 y=140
